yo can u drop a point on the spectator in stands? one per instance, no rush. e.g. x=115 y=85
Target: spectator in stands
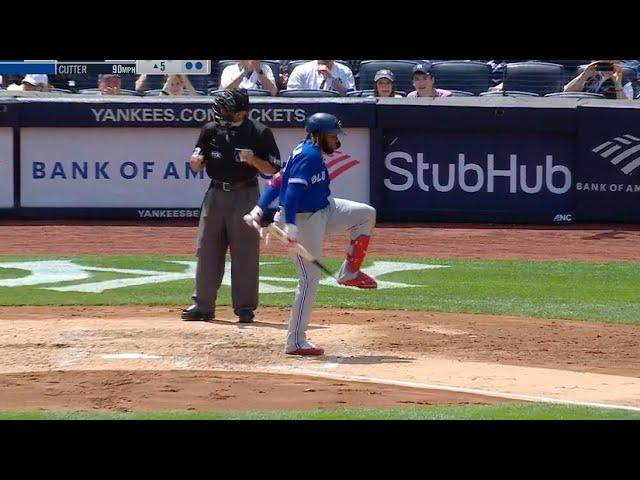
x=424 y=83
x=142 y=83
x=109 y=84
x=1 y=81
x=384 y=84
x=249 y=74
x=607 y=81
x=322 y=75
x=177 y=85
x=283 y=78
x=32 y=82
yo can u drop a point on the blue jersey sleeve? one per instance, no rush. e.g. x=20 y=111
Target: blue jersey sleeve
x=271 y=192
x=290 y=202
x=268 y=195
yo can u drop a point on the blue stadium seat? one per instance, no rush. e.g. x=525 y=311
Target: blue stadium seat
x=60 y=90
x=567 y=64
x=510 y=93
x=575 y=95
x=368 y=93
x=258 y=92
x=462 y=93
x=402 y=70
x=535 y=77
x=158 y=92
x=467 y=76
x=96 y=91
x=308 y=93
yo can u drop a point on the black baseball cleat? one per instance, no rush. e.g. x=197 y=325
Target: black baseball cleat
x=246 y=317
x=194 y=314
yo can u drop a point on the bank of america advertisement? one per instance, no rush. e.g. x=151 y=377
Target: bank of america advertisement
x=6 y=168
x=149 y=167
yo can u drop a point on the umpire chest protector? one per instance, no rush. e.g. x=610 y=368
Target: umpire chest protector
x=219 y=149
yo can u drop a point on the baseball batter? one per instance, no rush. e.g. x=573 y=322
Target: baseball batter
x=307 y=214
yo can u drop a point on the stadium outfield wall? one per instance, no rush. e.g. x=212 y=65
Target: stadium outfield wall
x=475 y=159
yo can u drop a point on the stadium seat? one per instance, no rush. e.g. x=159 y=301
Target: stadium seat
x=60 y=90
x=468 y=76
x=575 y=95
x=368 y=93
x=568 y=64
x=258 y=92
x=401 y=69
x=462 y=93
x=308 y=93
x=96 y=91
x=158 y=92
x=509 y=93
x=535 y=77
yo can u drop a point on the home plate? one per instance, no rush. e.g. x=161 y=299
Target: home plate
x=129 y=356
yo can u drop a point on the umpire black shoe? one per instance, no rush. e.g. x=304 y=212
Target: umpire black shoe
x=246 y=317
x=194 y=314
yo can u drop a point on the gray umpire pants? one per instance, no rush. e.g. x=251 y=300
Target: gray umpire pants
x=339 y=216
x=221 y=227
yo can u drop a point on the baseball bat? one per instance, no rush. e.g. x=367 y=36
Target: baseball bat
x=299 y=248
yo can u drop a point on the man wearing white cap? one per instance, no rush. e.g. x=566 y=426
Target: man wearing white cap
x=32 y=82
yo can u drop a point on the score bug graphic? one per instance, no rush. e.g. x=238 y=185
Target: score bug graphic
x=168 y=67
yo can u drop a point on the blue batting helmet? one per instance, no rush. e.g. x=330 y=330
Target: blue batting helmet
x=323 y=122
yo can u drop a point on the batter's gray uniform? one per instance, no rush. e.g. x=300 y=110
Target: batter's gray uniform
x=339 y=216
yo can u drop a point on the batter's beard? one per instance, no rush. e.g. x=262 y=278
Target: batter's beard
x=326 y=148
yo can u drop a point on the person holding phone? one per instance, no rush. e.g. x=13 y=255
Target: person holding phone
x=604 y=77
x=233 y=149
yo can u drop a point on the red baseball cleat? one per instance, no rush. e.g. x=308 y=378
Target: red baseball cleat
x=307 y=351
x=361 y=281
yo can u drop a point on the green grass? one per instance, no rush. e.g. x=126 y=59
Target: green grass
x=607 y=292
x=515 y=411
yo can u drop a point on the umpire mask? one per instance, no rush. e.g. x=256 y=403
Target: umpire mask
x=227 y=104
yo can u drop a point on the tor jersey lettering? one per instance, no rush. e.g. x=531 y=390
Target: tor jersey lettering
x=306 y=166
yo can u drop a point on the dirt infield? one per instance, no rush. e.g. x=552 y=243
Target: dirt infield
x=146 y=359
x=599 y=243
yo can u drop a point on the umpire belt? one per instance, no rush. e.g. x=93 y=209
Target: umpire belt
x=230 y=187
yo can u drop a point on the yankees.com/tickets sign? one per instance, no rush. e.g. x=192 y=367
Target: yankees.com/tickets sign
x=6 y=168
x=147 y=168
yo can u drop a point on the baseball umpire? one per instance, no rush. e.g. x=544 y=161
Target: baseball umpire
x=233 y=149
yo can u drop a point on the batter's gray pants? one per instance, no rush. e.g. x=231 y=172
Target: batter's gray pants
x=339 y=216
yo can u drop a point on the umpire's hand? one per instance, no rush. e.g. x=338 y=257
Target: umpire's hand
x=197 y=162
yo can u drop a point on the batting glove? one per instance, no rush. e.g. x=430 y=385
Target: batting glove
x=253 y=218
x=292 y=234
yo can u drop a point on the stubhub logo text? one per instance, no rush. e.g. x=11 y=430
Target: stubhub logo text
x=473 y=177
